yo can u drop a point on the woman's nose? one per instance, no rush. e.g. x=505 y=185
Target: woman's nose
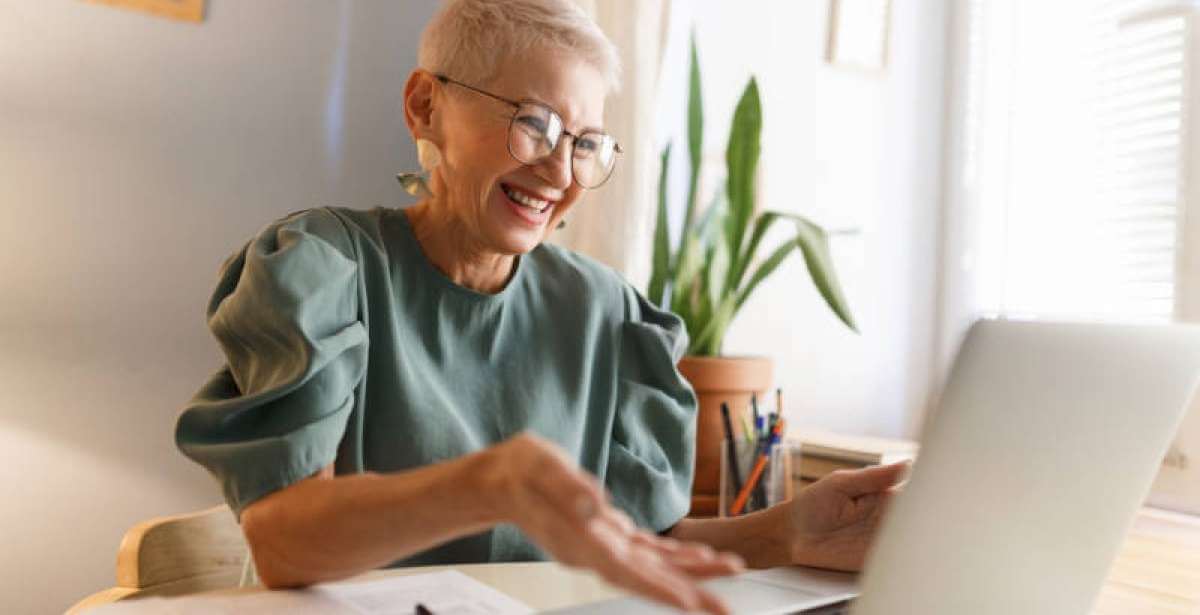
x=555 y=167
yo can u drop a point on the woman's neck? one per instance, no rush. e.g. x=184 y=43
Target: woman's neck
x=454 y=251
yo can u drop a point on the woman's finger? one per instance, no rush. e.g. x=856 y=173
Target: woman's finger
x=666 y=558
x=610 y=544
x=622 y=521
x=697 y=551
x=701 y=561
x=874 y=479
x=644 y=572
x=625 y=564
x=570 y=491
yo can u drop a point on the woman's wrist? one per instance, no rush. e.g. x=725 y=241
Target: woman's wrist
x=766 y=537
x=763 y=539
x=477 y=484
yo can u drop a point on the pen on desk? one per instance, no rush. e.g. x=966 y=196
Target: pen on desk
x=735 y=473
x=423 y=610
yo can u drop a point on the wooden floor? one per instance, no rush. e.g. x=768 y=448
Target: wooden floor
x=1158 y=569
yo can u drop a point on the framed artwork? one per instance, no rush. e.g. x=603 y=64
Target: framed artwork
x=183 y=10
x=858 y=33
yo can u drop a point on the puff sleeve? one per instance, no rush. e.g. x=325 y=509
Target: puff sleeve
x=652 y=452
x=285 y=314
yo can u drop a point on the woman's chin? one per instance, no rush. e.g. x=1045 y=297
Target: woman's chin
x=509 y=239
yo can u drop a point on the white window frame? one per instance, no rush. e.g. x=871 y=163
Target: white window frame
x=1178 y=484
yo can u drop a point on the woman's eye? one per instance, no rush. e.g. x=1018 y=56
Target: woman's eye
x=586 y=146
x=531 y=122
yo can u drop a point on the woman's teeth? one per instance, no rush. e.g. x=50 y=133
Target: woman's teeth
x=537 y=205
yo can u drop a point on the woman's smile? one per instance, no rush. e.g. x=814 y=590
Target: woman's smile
x=529 y=208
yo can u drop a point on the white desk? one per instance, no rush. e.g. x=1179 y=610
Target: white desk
x=1156 y=573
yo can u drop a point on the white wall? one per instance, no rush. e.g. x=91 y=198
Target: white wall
x=855 y=150
x=135 y=154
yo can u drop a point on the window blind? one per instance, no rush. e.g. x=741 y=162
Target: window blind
x=1074 y=150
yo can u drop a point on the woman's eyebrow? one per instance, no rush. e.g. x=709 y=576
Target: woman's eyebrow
x=584 y=129
x=561 y=116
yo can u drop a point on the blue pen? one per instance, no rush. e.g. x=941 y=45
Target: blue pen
x=760 y=490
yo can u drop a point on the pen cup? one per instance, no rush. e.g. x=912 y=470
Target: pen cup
x=774 y=484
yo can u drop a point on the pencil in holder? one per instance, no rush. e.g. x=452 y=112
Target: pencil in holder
x=774 y=484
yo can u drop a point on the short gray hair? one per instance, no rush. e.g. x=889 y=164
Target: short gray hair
x=468 y=39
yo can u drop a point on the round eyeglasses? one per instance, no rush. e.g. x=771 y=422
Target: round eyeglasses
x=535 y=130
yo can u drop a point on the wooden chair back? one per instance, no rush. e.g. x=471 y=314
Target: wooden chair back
x=179 y=554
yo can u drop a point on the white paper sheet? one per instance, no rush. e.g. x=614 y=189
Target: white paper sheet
x=444 y=593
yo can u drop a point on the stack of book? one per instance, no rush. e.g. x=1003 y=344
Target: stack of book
x=815 y=454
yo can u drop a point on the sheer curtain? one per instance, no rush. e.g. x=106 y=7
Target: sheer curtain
x=614 y=223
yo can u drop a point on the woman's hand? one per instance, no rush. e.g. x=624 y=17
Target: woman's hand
x=833 y=521
x=566 y=512
x=828 y=525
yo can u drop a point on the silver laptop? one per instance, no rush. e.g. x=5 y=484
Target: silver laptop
x=1046 y=441
x=777 y=591
x=1044 y=445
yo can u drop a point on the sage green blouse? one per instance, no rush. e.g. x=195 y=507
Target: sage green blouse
x=344 y=344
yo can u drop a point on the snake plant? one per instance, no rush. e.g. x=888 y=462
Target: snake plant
x=714 y=270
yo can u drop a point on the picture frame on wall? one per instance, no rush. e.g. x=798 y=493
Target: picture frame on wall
x=859 y=34
x=182 y=10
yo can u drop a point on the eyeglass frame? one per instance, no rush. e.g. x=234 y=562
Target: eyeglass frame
x=516 y=105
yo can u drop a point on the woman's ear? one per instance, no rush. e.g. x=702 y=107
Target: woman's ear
x=419 y=94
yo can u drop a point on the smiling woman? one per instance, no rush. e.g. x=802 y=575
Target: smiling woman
x=503 y=181
x=438 y=385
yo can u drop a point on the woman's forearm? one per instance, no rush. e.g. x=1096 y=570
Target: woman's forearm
x=757 y=537
x=325 y=528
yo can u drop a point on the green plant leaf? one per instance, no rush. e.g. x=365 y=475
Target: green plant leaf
x=813 y=243
x=762 y=224
x=716 y=256
x=714 y=310
x=683 y=288
x=695 y=135
x=711 y=337
x=741 y=159
x=662 y=241
x=708 y=296
x=689 y=262
x=705 y=279
x=712 y=219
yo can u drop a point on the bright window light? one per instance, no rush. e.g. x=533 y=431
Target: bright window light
x=1075 y=154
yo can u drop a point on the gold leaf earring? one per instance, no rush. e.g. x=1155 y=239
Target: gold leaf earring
x=429 y=156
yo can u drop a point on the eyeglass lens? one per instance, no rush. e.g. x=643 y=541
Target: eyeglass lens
x=535 y=132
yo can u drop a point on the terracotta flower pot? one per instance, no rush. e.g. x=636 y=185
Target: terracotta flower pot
x=720 y=379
